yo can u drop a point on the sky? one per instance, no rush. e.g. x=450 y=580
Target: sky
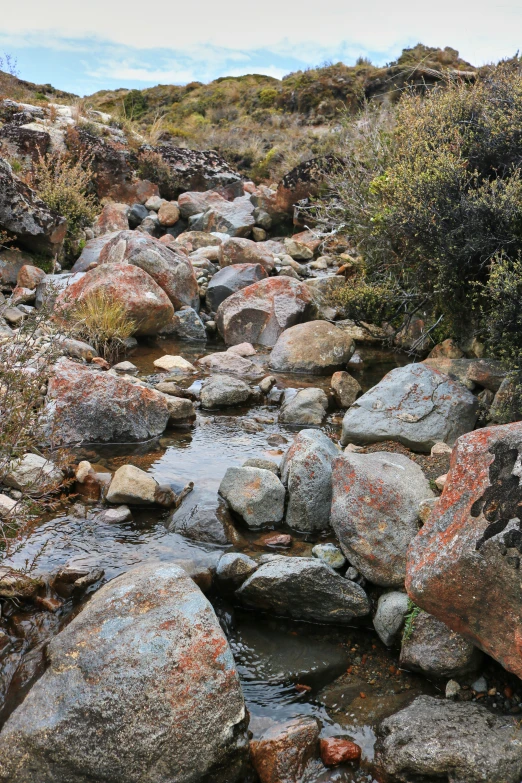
x=105 y=44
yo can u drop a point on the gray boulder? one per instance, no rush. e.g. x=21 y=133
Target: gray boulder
x=414 y=405
x=392 y=609
x=255 y=495
x=306 y=471
x=234 y=567
x=189 y=326
x=231 y=279
x=206 y=523
x=220 y=391
x=231 y=364
x=306 y=408
x=374 y=513
x=228 y=217
x=436 y=740
x=316 y=347
x=304 y=588
x=141 y=688
x=434 y=650
x=91 y=252
x=244 y=251
x=23 y=214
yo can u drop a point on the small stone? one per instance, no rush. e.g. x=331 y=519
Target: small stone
x=329 y=554
x=125 y=367
x=132 y=485
x=352 y=574
x=48 y=603
x=170 y=363
x=101 y=363
x=345 y=388
x=267 y=384
x=83 y=470
x=258 y=234
x=168 y=213
x=234 y=568
x=480 y=685
x=441 y=481
x=278 y=541
x=351 y=448
x=154 y=203
x=336 y=751
x=426 y=507
x=243 y=349
x=440 y=448
x=452 y=689
x=6 y=505
x=255 y=495
x=13 y=316
x=114 y=516
x=392 y=609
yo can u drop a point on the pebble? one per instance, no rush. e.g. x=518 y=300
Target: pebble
x=279 y=541
x=329 y=554
x=452 y=689
x=480 y=685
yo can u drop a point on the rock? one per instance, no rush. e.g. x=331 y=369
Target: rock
x=148 y=654
x=267 y=384
x=176 y=363
x=231 y=279
x=205 y=523
x=244 y=251
x=11 y=262
x=89 y=406
x=374 y=512
x=194 y=203
x=189 y=325
x=260 y=312
x=198 y=170
x=181 y=411
x=138 y=191
x=425 y=509
x=220 y=391
x=316 y=348
x=457 y=369
x=168 y=387
x=414 y=405
x=113 y=217
x=133 y=486
x=329 y=554
x=278 y=541
x=171 y=271
x=195 y=240
x=27 y=217
x=33 y=475
x=440 y=481
x=76 y=349
x=7 y=505
x=297 y=250
x=137 y=213
x=307 y=408
x=436 y=739
x=345 y=388
x=30 y=276
x=90 y=254
x=265 y=464
x=231 y=364
x=448 y=349
x=300 y=183
x=452 y=689
x=304 y=588
x=434 y=650
x=144 y=301
x=480 y=685
x=392 y=609
x=255 y=495
x=154 y=203
x=306 y=471
x=440 y=448
x=243 y=349
x=13 y=316
x=168 y=213
x=27 y=144
x=234 y=567
x=282 y=752
x=336 y=750
x=228 y=217
x=115 y=516
x=463 y=565
x=125 y=367
x=488 y=373
x=323 y=290
x=362 y=332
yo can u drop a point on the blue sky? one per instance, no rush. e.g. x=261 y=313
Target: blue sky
x=126 y=43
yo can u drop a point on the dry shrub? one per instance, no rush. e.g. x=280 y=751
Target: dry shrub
x=103 y=322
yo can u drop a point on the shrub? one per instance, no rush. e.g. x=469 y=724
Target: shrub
x=102 y=322
x=152 y=166
x=134 y=104
x=268 y=97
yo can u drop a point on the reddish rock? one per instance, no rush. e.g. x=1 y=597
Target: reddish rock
x=194 y=203
x=144 y=301
x=113 y=217
x=278 y=541
x=172 y=271
x=463 y=566
x=335 y=750
x=260 y=312
x=237 y=250
x=446 y=350
x=90 y=255
x=231 y=279
x=137 y=192
x=283 y=751
x=168 y=213
x=308 y=239
x=317 y=347
x=30 y=276
x=230 y=217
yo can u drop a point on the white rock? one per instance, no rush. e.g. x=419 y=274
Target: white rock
x=33 y=474
x=132 y=485
x=169 y=362
x=6 y=505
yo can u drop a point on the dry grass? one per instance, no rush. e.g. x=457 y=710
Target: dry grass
x=102 y=322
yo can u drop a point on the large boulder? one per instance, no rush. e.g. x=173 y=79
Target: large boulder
x=27 y=217
x=144 y=301
x=194 y=203
x=228 y=217
x=172 y=271
x=435 y=650
x=244 y=251
x=231 y=279
x=306 y=471
x=262 y=311
x=198 y=170
x=307 y=408
x=89 y=406
x=141 y=688
x=302 y=182
x=374 y=512
x=304 y=588
x=316 y=347
x=90 y=255
x=463 y=567
x=414 y=405
x=255 y=495
x=220 y=391
x=436 y=740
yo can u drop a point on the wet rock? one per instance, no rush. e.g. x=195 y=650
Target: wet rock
x=231 y=279
x=304 y=588
x=172 y=271
x=33 y=474
x=392 y=609
x=255 y=495
x=435 y=740
x=168 y=387
x=336 y=750
x=181 y=411
x=267 y=384
x=132 y=485
x=183 y=695
x=25 y=216
x=143 y=300
x=434 y=650
x=265 y=464
x=262 y=311
x=16 y=585
x=345 y=388
x=316 y=347
x=220 y=391
x=374 y=512
x=277 y=541
x=306 y=471
x=206 y=523
x=231 y=364
x=306 y=408
x=329 y=554
x=113 y=217
x=463 y=567
x=115 y=516
x=244 y=251
x=414 y=405
x=90 y=406
x=228 y=217
x=281 y=754
x=189 y=326
x=234 y=567
x=243 y=349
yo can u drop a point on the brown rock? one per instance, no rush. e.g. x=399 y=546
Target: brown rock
x=446 y=350
x=316 y=347
x=345 y=388
x=168 y=213
x=237 y=250
x=282 y=753
x=278 y=541
x=302 y=182
x=137 y=192
x=335 y=750
x=113 y=217
x=30 y=276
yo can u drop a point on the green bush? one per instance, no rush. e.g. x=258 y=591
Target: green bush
x=134 y=104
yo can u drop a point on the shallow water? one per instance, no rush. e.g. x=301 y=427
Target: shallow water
x=273 y=656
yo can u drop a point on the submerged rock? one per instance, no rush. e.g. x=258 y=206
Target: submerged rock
x=141 y=688
x=281 y=754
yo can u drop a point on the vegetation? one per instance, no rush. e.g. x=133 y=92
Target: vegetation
x=102 y=322
x=409 y=621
